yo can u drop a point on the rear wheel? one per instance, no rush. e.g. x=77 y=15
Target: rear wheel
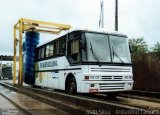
x=71 y=86
x=112 y=95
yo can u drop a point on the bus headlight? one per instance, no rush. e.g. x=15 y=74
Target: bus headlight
x=94 y=77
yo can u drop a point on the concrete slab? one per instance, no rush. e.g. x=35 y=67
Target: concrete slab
x=30 y=105
x=7 y=108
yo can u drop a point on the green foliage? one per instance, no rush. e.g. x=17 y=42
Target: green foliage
x=138 y=45
x=156 y=47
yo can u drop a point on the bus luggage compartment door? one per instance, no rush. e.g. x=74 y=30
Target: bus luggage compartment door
x=53 y=80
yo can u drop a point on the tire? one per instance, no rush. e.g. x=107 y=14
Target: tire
x=71 y=86
x=112 y=95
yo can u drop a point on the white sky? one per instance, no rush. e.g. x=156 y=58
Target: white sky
x=137 y=18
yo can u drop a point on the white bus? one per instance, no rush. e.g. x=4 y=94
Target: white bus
x=85 y=61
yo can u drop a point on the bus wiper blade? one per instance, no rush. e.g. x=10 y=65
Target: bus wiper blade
x=94 y=54
x=115 y=53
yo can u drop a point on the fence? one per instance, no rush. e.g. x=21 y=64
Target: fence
x=146 y=71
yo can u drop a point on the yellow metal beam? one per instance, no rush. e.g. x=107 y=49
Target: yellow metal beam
x=20 y=53
x=48 y=31
x=60 y=26
x=42 y=29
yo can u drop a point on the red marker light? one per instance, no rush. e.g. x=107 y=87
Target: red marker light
x=86 y=77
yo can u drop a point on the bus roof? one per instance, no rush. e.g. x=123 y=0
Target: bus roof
x=85 y=30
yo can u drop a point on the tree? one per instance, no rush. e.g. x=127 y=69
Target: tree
x=156 y=47
x=138 y=45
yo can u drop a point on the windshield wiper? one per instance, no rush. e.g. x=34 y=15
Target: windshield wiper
x=115 y=53
x=94 y=54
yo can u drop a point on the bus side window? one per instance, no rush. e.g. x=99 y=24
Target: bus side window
x=57 y=48
x=53 y=49
x=62 y=45
x=41 y=53
x=73 y=53
x=49 y=50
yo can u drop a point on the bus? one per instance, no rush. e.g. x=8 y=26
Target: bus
x=85 y=61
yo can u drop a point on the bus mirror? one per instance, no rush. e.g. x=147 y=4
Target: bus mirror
x=131 y=48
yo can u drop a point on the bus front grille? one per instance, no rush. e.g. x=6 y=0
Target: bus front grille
x=111 y=86
x=112 y=78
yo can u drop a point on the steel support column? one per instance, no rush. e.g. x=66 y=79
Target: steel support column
x=14 y=63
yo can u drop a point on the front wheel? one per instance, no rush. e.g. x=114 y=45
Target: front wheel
x=71 y=86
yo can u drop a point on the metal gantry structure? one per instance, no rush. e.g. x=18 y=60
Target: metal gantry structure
x=23 y=25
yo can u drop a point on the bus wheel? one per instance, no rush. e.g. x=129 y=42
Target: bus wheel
x=112 y=95
x=72 y=86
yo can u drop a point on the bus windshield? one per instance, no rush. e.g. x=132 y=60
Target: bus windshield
x=106 y=48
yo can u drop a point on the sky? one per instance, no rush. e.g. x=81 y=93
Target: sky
x=137 y=18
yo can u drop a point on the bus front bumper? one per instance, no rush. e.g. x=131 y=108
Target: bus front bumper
x=106 y=86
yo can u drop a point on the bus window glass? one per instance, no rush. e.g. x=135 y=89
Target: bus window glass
x=41 y=53
x=97 y=47
x=49 y=50
x=120 y=49
x=57 y=48
x=74 y=54
x=75 y=47
x=62 y=46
